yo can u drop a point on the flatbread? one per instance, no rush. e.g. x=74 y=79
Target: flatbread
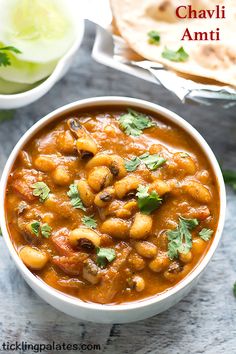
x=214 y=60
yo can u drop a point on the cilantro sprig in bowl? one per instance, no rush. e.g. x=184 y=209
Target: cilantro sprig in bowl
x=148 y=201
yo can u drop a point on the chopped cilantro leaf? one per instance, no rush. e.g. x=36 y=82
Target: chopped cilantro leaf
x=46 y=230
x=132 y=165
x=133 y=123
x=147 y=202
x=41 y=190
x=205 y=234
x=154 y=37
x=89 y=221
x=151 y=161
x=178 y=56
x=105 y=255
x=35 y=227
x=74 y=196
x=4 y=58
x=180 y=239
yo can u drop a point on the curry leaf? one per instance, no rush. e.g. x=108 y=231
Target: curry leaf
x=89 y=221
x=178 y=56
x=133 y=123
x=74 y=196
x=41 y=190
x=154 y=37
x=105 y=255
x=205 y=234
x=180 y=239
x=147 y=202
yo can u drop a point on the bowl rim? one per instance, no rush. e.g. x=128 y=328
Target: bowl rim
x=109 y=101
x=55 y=75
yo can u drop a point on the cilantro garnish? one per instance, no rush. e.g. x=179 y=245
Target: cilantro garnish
x=44 y=229
x=74 y=196
x=147 y=202
x=133 y=123
x=4 y=58
x=35 y=227
x=178 y=56
x=180 y=239
x=151 y=161
x=205 y=234
x=89 y=221
x=105 y=255
x=41 y=190
x=154 y=37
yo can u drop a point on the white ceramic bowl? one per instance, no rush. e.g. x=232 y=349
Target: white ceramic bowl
x=24 y=98
x=113 y=313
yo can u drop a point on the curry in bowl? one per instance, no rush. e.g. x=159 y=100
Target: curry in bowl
x=112 y=205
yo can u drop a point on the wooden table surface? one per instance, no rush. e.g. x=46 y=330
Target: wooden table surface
x=205 y=321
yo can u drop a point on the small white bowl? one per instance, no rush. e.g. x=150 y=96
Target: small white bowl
x=130 y=311
x=24 y=98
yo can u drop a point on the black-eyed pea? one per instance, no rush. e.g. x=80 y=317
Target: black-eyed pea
x=86 y=194
x=33 y=258
x=104 y=197
x=86 y=146
x=84 y=238
x=44 y=163
x=146 y=249
x=159 y=264
x=186 y=257
x=174 y=271
x=110 y=130
x=48 y=218
x=99 y=178
x=141 y=226
x=160 y=187
x=139 y=283
x=198 y=246
x=114 y=162
x=203 y=176
x=126 y=185
x=136 y=262
x=116 y=228
x=61 y=176
x=185 y=162
x=66 y=142
x=123 y=213
x=197 y=191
